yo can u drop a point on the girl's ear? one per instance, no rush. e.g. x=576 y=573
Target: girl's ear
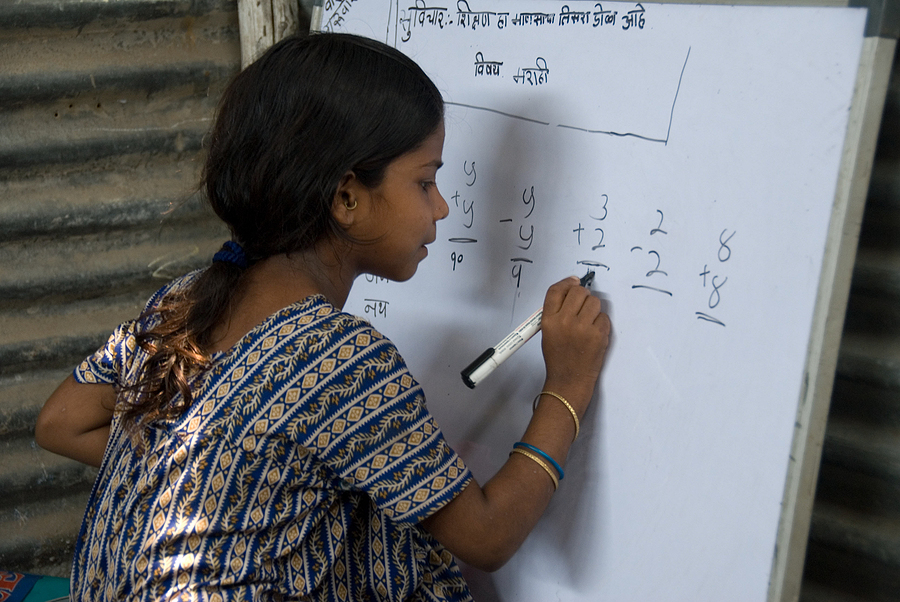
x=346 y=200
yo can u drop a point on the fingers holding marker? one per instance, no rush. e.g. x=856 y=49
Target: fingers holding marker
x=554 y=303
x=556 y=294
x=575 y=336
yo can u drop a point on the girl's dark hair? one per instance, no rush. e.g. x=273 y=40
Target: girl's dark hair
x=288 y=128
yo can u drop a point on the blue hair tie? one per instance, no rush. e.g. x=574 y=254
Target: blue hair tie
x=231 y=252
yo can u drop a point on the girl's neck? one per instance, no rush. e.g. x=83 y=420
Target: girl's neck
x=275 y=283
x=289 y=278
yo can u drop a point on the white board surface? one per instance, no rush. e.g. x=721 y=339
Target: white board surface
x=688 y=154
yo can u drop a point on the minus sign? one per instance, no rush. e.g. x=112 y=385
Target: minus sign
x=593 y=264
x=462 y=240
x=505 y=220
x=653 y=288
x=708 y=318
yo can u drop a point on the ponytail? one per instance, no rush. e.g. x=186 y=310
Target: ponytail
x=177 y=346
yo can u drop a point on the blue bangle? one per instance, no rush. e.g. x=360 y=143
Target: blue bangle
x=542 y=454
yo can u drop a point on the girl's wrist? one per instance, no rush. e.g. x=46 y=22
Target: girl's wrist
x=578 y=395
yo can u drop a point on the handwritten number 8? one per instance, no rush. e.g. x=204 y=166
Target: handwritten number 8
x=724 y=246
x=716 y=294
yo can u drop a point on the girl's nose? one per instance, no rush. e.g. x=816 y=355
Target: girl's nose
x=442 y=209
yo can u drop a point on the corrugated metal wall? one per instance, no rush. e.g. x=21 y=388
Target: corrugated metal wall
x=103 y=106
x=854 y=541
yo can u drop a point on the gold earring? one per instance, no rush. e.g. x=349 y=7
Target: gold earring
x=351 y=207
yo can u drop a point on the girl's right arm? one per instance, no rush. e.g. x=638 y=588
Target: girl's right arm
x=75 y=420
x=485 y=525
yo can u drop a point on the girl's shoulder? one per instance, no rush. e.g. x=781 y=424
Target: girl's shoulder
x=173 y=287
x=315 y=314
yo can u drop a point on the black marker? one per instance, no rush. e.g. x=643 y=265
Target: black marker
x=488 y=361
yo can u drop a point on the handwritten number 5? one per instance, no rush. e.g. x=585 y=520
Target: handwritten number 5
x=470 y=173
x=529 y=239
x=528 y=200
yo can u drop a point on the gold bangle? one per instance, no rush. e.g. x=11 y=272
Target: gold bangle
x=540 y=463
x=565 y=403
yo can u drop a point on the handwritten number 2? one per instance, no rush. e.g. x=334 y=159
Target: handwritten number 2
x=659 y=227
x=656 y=270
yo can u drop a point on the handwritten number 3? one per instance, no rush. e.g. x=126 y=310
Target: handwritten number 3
x=605 y=210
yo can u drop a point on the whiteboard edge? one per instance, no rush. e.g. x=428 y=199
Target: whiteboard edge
x=831 y=302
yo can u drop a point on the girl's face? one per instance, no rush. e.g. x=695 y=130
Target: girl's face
x=405 y=209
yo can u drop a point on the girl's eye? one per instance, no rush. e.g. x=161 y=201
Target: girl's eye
x=427 y=184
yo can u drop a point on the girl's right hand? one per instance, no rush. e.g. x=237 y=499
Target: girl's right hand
x=484 y=526
x=575 y=335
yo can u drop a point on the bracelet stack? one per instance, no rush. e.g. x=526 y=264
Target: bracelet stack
x=541 y=458
x=565 y=403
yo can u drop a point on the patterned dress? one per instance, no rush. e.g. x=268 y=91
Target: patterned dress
x=300 y=472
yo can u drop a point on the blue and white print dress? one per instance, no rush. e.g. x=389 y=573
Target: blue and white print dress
x=300 y=472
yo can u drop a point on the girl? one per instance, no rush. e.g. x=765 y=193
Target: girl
x=254 y=441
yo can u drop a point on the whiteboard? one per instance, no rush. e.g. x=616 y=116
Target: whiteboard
x=688 y=154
